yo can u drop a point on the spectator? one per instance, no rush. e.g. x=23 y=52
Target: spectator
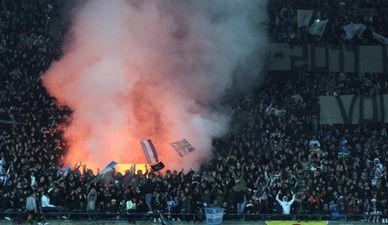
x=47 y=207
x=148 y=190
x=335 y=212
x=131 y=209
x=277 y=142
x=285 y=204
x=239 y=192
x=91 y=200
x=31 y=207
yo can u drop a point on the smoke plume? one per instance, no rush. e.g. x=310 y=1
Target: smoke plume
x=133 y=70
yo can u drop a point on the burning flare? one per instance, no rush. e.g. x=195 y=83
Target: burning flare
x=134 y=70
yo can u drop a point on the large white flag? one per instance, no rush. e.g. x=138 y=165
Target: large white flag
x=380 y=38
x=318 y=27
x=353 y=29
x=304 y=17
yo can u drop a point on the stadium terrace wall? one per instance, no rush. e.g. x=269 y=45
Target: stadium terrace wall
x=330 y=58
x=353 y=109
x=66 y=222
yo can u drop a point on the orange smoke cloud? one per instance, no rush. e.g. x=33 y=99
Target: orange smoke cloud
x=135 y=70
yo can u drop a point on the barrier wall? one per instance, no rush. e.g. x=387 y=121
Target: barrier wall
x=296 y=222
x=66 y=222
x=331 y=58
x=353 y=109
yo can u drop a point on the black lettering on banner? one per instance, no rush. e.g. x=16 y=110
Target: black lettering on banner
x=340 y=49
x=385 y=59
x=347 y=118
x=382 y=109
x=361 y=108
x=356 y=56
x=313 y=58
x=304 y=58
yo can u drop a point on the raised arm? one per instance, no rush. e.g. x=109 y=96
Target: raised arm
x=277 y=197
x=293 y=198
x=257 y=181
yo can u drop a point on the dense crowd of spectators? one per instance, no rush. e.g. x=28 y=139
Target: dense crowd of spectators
x=284 y=23
x=297 y=154
x=277 y=158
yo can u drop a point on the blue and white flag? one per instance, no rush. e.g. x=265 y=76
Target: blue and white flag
x=149 y=152
x=304 y=17
x=318 y=27
x=63 y=171
x=182 y=147
x=380 y=38
x=353 y=29
x=108 y=168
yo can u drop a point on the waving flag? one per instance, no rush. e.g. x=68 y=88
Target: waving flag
x=108 y=168
x=318 y=27
x=353 y=29
x=149 y=151
x=182 y=147
x=63 y=171
x=151 y=155
x=304 y=17
x=380 y=38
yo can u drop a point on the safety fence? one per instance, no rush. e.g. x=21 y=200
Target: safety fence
x=200 y=216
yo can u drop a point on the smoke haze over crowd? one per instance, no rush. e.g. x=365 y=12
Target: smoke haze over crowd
x=133 y=70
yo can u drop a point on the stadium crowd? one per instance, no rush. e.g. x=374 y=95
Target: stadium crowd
x=284 y=23
x=277 y=149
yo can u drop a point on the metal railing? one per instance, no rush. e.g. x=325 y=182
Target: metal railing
x=199 y=216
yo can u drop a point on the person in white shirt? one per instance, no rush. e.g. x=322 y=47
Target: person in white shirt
x=47 y=207
x=3 y=175
x=285 y=204
x=2 y=163
x=314 y=141
x=33 y=179
x=131 y=208
x=379 y=166
x=45 y=200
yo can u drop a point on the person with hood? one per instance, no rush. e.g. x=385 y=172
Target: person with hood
x=285 y=204
x=91 y=202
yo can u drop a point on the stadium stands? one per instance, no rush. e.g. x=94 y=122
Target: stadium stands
x=277 y=145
